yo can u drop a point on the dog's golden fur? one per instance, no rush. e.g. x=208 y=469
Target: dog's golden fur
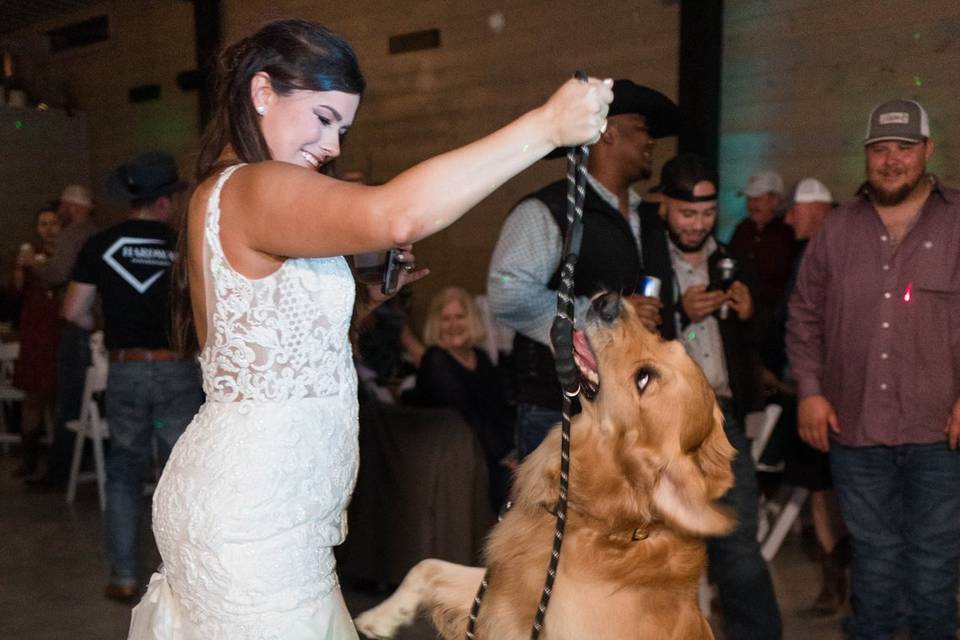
x=646 y=468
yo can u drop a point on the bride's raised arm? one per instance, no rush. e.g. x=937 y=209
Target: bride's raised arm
x=290 y=210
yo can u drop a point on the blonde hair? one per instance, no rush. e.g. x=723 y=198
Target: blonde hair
x=431 y=328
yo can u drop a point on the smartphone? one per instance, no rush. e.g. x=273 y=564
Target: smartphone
x=391 y=273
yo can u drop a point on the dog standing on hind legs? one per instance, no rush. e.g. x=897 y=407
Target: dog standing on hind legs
x=648 y=460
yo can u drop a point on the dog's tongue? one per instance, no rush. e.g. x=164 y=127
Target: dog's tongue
x=582 y=347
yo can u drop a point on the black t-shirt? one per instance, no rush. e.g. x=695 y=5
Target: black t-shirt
x=130 y=265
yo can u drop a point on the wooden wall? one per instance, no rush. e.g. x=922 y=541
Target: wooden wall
x=496 y=60
x=801 y=76
x=40 y=153
x=423 y=103
x=151 y=41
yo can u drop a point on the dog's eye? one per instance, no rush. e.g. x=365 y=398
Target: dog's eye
x=644 y=376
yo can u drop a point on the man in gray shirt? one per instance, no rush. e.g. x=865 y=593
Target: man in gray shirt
x=76 y=213
x=873 y=340
x=622 y=242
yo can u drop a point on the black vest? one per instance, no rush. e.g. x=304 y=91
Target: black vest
x=608 y=261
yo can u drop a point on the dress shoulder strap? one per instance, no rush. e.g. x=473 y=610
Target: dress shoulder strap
x=212 y=225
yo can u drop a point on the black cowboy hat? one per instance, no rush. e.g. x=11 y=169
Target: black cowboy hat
x=662 y=115
x=146 y=177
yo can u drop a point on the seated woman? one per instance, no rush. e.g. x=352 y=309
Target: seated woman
x=455 y=373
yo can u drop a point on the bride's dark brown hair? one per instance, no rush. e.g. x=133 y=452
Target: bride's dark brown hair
x=297 y=55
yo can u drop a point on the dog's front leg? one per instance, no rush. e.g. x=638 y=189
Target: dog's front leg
x=440 y=586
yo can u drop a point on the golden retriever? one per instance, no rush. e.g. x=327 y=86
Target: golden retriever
x=648 y=460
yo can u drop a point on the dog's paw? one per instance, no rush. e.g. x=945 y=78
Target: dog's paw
x=382 y=622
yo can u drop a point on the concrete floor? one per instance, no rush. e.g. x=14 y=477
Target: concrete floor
x=52 y=572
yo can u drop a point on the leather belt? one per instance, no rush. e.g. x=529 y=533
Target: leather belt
x=143 y=355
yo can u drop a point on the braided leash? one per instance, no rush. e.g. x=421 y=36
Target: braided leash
x=561 y=335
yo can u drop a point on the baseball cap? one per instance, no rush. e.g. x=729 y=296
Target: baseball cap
x=812 y=190
x=661 y=113
x=148 y=176
x=77 y=194
x=681 y=174
x=904 y=120
x=763 y=182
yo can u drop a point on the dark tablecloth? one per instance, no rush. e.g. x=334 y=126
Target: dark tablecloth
x=422 y=492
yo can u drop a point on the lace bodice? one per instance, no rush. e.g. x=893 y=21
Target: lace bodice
x=279 y=337
x=253 y=498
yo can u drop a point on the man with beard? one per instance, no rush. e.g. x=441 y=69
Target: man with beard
x=712 y=321
x=623 y=240
x=874 y=345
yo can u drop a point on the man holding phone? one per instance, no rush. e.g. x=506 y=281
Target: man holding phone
x=712 y=322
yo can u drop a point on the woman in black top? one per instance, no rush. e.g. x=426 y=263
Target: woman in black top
x=455 y=373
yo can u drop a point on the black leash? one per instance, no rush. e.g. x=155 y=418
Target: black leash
x=561 y=335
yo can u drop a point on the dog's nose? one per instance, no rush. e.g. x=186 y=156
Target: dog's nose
x=607 y=306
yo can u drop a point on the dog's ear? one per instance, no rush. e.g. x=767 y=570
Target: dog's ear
x=713 y=456
x=688 y=485
x=682 y=500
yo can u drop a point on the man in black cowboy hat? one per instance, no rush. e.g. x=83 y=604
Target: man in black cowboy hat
x=151 y=390
x=623 y=241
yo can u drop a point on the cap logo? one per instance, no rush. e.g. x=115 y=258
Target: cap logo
x=894 y=117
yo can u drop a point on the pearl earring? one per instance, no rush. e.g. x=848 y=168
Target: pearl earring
x=261 y=110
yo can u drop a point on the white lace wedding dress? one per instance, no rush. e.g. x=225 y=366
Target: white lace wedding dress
x=252 y=500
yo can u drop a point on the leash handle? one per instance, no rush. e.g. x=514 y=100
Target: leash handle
x=561 y=331
x=561 y=336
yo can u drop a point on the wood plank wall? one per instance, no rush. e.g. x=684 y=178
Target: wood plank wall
x=801 y=76
x=418 y=104
x=423 y=103
x=150 y=42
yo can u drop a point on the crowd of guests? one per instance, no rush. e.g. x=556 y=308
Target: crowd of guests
x=832 y=311
x=845 y=316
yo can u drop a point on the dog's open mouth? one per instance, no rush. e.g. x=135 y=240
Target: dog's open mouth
x=586 y=362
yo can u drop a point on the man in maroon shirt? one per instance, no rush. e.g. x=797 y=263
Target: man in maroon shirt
x=764 y=239
x=874 y=345
x=768 y=249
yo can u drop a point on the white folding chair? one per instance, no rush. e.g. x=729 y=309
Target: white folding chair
x=760 y=426
x=776 y=519
x=770 y=544
x=91 y=425
x=9 y=395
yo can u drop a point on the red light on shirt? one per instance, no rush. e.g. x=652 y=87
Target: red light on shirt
x=908 y=292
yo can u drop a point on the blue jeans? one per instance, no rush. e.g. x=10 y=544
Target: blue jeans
x=143 y=399
x=734 y=563
x=533 y=424
x=73 y=358
x=902 y=507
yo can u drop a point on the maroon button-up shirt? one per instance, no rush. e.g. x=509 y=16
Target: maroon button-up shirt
x=771 y=252
x=875 y=325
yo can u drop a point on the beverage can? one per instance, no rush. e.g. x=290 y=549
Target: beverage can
x=650 y=287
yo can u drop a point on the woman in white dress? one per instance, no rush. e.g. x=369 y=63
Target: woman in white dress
x=252 y=500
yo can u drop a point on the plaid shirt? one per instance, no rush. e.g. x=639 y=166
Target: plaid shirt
x=526 y=257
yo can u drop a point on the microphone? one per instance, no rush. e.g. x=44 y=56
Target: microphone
x=727 y=268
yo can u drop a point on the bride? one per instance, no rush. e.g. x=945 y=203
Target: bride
x=252 y=500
